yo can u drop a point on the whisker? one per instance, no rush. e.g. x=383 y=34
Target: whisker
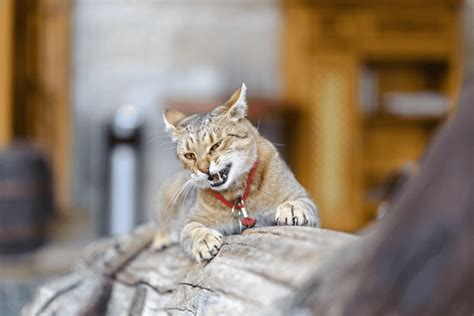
x=156 y=137
x=186 y=192
x=278 y=144
x=273 y=143
x=166 y=143
x=171 y=204
x=188 y=189
x=262 y=145
x=168 y=149
x=252 y=146
x=165 y=213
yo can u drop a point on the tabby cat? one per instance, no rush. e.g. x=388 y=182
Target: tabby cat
x=233 y=179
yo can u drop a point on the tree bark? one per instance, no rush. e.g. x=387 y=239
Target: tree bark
x=252 y=274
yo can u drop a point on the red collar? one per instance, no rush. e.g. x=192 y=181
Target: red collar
x=246 y=192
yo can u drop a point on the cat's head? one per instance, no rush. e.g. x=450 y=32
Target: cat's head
x=217 y=147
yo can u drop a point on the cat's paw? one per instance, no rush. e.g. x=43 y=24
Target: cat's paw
x=294 y=213
x=206 y=245
x=160 y=241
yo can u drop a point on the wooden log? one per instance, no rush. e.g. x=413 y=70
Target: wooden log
x=417 y=261
x=420 y=259
x=252 y=274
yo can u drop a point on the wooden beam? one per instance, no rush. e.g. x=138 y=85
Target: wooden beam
x=335 y=128
x=6 y=47
x=53 y=82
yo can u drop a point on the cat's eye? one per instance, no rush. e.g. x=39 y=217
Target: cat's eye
x=190 y=156
x=215 y=146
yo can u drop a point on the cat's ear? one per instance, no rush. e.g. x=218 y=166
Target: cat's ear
x=172 y=119
x=236 y=107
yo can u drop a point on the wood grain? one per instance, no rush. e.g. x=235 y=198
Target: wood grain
x=6 y=55
x=252 y=274
x=416 y=261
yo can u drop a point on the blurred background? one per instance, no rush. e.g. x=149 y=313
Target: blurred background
x=351 y=90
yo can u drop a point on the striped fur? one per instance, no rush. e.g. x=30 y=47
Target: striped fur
x=206 y=144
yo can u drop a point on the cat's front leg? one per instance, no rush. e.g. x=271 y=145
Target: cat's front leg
x=200 y=242
x=161 y=240
x=300 y=212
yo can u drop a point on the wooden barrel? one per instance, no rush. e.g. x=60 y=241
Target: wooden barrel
x=26 y=199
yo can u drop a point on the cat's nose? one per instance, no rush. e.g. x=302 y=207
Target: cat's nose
x=204 y=170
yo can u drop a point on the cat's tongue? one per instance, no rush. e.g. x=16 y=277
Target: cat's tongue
x=216 y=177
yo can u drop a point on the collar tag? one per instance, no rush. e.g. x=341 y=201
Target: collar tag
x=246 y=220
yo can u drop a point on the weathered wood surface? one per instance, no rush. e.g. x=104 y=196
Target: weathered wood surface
x=420 y=259
x=253 y=273
x=417 y=261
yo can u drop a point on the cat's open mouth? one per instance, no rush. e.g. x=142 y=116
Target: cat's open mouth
x=219 y=178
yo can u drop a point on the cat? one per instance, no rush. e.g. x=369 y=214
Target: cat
x=233 y=178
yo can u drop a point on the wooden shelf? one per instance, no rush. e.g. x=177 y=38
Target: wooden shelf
x=391 y=119
x=405 y=47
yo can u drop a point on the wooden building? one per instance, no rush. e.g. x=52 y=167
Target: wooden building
x=405 y=47
x=34 y=81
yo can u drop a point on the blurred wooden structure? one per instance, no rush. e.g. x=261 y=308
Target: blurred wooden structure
x=410 y=46
x=40 y=83
x=6 y=52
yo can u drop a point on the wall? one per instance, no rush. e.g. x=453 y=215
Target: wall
x=468 y=35
x=145 y=52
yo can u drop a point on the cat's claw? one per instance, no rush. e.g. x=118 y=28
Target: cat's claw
x=207 y=245
x=294 y=213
